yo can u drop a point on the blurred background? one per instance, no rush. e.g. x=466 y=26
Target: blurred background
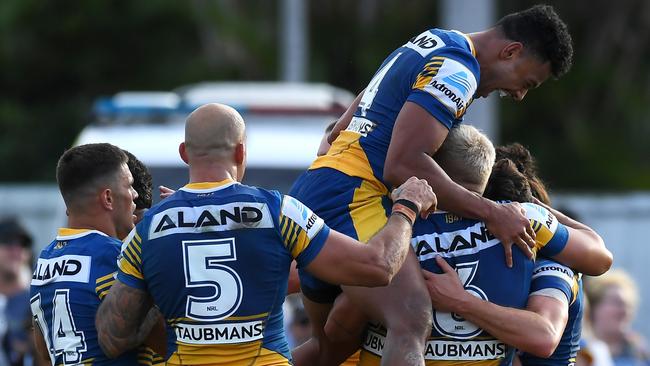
x=65 y=64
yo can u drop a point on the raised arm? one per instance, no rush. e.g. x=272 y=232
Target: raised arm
x=345 y=261
x=124 y=319
x=536 y=330
x=417 y=136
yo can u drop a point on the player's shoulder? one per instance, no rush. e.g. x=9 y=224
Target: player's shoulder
x=549 y=267
x=540 y=214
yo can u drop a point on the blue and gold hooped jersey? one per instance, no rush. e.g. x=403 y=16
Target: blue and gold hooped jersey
x=215 y=258
x=71 y=277
x=436 y=69
x=556 y=280
x=479 y=259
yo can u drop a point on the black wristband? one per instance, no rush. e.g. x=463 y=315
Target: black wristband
x=409 y=204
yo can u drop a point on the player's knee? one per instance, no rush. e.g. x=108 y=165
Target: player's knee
x=414 y=318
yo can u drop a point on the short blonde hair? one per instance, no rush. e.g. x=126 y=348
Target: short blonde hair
x=467 y=156
x=596 y=287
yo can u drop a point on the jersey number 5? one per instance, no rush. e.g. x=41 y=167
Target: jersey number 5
x=202 y=269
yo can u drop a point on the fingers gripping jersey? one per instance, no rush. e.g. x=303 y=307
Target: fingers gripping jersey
x=70 y=278
x=436 y=69
x=559 y=281
x=215 y=258
x=479 y=259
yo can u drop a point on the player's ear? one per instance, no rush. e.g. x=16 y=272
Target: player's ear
x=182 y=151
x=106 y=198
x=240 y=153
x=511 y=50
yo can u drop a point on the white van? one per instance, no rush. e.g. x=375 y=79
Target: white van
x=284 y=122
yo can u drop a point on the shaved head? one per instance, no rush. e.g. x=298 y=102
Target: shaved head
x=213 y=131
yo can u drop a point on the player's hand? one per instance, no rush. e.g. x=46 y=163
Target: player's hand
x=419 y=192
x=445 y=289
x=165 y=192
x=508 y=223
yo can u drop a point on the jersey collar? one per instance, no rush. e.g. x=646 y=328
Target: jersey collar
x=65 y=233
x=469 y=41
x=202 y=187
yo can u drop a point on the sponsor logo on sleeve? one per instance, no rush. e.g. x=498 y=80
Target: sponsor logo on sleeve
x=424 y=43
x=554 y=269
x=454 y=86
x=302 y=215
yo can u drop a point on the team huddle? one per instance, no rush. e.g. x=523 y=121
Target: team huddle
x=402 y=230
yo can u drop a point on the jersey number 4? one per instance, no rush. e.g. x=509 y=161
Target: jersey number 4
x=202 y=260
x=63 y=338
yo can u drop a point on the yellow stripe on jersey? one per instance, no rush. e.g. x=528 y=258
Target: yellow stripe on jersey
x=247 y=354
x=575 y=288
x=428 y=72
x=136 y=241
x=130 y=269
x=173 y=321
x=347 y=156
x=294 y=237
x=133 y=256
x=368 y=214
x=105 y=285
x=109 y=276
x=147 y=357
x=542 y=234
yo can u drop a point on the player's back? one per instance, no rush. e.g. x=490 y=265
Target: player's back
x=70 y=278
x=479 y=260
x=436 y=69
x=215 y=261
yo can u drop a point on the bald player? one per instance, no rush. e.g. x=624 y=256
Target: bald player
x=215 y=255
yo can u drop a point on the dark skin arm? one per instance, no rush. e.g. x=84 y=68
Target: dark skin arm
x=345 y=119
x=417 y=136
x=42 y=356
x=124 y=319
x=585 y=251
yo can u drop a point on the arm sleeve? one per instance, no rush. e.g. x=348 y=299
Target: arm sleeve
x=130 y=261
x=445 y=86
x=303 y=232
x=555 y=280
x=550 y=236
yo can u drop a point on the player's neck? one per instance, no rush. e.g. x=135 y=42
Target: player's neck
x=212 y=172
x=92 y=222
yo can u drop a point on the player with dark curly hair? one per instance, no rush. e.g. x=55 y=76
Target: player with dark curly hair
x=392 y=130
x=142 y=183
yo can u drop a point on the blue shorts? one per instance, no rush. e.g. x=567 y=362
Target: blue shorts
x=349 y=205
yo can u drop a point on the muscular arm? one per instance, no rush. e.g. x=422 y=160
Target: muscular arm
x=536 y=330
x=417 y=135
x=345 y=119
x=346 y=261
x=42 y=354
x=585 y=250
x=124 y=319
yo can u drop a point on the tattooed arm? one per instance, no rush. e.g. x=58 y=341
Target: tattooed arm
x=124 y=319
